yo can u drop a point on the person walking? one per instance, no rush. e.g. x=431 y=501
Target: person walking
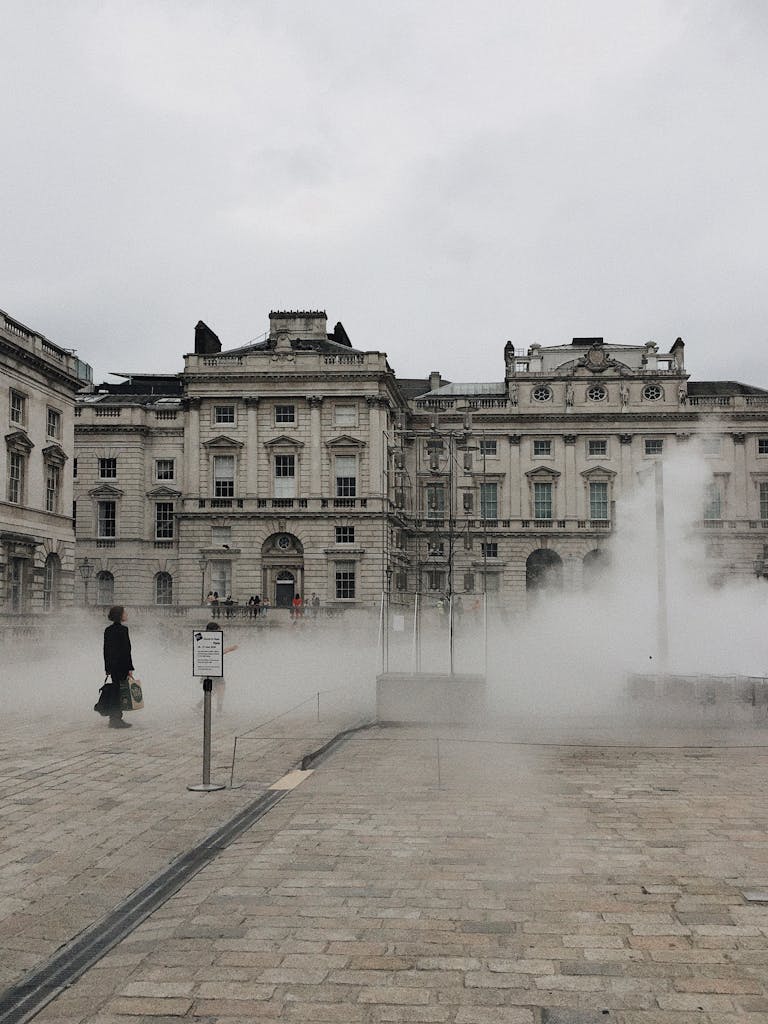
x=297 y=608
x=215 y=605
x=314 y=604
x=117 y=662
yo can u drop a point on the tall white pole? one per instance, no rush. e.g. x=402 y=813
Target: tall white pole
x=662 y=621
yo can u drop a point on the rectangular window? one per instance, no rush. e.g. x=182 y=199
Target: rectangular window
x=74 y=469
x=490 y=549
x=106 y=525
x=491 y=582
x=712 y=501
x=74 y=516
x=346 y=476
x=165 y=469
x=52 y=475
x=764 y=500
x=18 y=407
x=487 y=448
x=108 y=469
x=489 y=501
x=345 y=534
x=542 y=501
x=345 y=415
x=223 y=476
x=345 y=580
x=598 y=500
x=710 y=445
x=542 y=446
x=53 y=423
x=285 y=476
x=15 y=478
x=164 y=520
x=221 y=535
x=221 y=578
x=654 y=446
x=223 y=414
x=285 y=414
x=434 y=499
x=762 y=446
x=597 y=446
x=436 y=580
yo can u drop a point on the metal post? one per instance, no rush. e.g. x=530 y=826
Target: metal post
x=437 y=748
x=450 y=634
x=318 y=705
x=207 y=786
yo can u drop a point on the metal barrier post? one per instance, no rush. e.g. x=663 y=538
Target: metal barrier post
x=207 y=786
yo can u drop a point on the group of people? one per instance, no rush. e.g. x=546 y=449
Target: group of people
x=256 y=605
x=298 y=606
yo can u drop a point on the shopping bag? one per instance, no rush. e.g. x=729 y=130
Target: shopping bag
x=131 y=695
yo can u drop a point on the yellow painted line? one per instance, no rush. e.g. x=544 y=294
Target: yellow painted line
x=292 y=779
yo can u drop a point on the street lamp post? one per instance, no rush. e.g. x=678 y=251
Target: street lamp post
x=85 y=569
x=202 y=565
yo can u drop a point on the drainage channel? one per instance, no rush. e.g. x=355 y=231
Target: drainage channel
x=42 y=984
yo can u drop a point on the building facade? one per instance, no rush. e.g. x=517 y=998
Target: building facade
x=300 y=465
x=38 y=384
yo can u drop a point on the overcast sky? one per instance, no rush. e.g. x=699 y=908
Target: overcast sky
x=439 y=176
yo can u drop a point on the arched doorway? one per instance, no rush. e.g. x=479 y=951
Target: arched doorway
x=282 y=564
x=543 y=571
x=51 y=578
x=594 y=567
x=285 y=588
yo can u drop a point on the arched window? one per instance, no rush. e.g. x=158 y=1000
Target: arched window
x=51 y=577
x=163 y=588
x=105 y=588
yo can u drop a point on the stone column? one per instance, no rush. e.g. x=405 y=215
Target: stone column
x=376 y=405
x=740 y=486
x=516 y=483
x=571 y=494
x=192 y=448
x=315 y=445
x=252 y=447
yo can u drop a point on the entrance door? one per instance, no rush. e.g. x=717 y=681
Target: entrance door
x=17 y=584
x=285 y=587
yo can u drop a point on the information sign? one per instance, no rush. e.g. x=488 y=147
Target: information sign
x=208 y=653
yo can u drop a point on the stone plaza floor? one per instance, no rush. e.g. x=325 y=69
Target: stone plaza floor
x=468 y=876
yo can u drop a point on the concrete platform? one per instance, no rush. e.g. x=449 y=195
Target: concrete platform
x=430 y=697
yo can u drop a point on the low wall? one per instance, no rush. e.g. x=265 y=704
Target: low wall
x=708 y=697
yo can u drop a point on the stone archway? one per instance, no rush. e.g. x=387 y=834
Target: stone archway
x=543 y=571
x=594 y=566
x=282 y=563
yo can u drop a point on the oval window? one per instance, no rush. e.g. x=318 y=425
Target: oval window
x=597 y=393
x=652 y=392
x=542 y=393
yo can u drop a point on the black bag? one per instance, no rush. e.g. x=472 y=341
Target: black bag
x=103 y=704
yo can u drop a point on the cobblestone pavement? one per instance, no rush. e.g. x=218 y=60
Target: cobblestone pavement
x=471 y=880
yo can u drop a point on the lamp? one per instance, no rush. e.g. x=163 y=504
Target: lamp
x=85 y=569
x=202 y=564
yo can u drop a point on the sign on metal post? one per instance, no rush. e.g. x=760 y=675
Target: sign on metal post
x=208 y=662
x=208 y=652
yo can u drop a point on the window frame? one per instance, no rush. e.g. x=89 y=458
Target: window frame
x=345 y=580
x=102 y=519
x=172 y=463
x=223 y=486
x=102 y=466
x=13 y=395
x=548 y=448
x=345 y=486
x=539 y=502
x=53 y=422
x=341 y=422
x=165 y=527
x=339 y=531
x=282 y=462
x=16 y=477
x=493 y=452
x=222 y=413
x=597 y=441
x=649 y=442
x=52 y=487
x=282 y=420
x=597 y=506
x=489 y=499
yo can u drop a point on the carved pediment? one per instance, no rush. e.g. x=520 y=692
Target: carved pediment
x=106 y=491
x=284 y=442
x=163 y=491
x=55 y=453
x=18 y=440
x=598 y=471
x=345 y=441
x=222 y=441
x=542 y=473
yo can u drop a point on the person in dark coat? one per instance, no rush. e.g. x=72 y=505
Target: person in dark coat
x=117 y=662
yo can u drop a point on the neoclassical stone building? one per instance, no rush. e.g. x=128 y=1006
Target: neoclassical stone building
x=38 y=384
x=298 y=464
